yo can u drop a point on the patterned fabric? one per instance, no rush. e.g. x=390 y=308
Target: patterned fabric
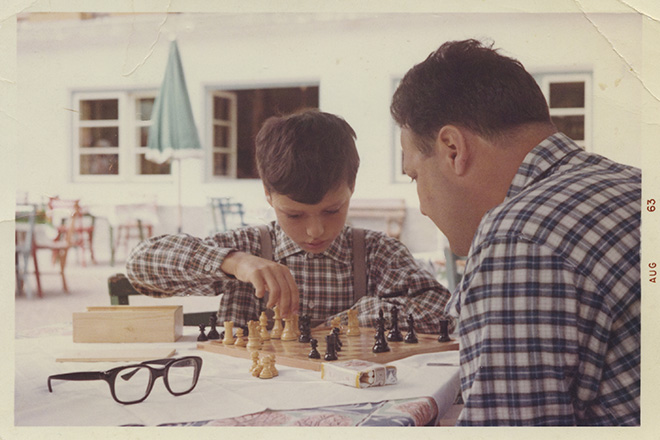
x=549 y=307
x=184 y=265
x=421 y=411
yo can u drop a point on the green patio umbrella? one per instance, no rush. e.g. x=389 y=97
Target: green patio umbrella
x=173 y=134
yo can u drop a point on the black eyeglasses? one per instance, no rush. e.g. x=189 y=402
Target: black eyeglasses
x=133 y=383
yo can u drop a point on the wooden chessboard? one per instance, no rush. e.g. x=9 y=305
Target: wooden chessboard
x=294 y=353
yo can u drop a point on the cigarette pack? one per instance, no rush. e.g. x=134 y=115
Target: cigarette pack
x=358 y=373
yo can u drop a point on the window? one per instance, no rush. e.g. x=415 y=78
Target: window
x=235 y=119
x=110 y=137
x=569 y=100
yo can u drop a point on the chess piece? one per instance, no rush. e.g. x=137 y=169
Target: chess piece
x=254 y=340
x=380 y=345
x=336 y=322
x=202 y=335
x=411 y=337
x=229 y=333
x=314 y=353
x=338 y=343
x=296 y=326
x=213 y=322
x=353 y=323
x=305 y=329
x=276 y=332
x=267 y=369
x=240 y=339
x=444 y=331
x=254 y=355
x=289 y=333
x=331 y=348
x=273 y=368
x=263 y=323
x=395 y=334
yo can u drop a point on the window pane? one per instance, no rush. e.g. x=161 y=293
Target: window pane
x=144 y=108
x=221 y=108
x=99 y=109
x=220 y=136
x=99 y=136
x=144 y=136
x=148 y=167
x=571 y=126
x=99 y=164
x=567 y=95
x=220 y=164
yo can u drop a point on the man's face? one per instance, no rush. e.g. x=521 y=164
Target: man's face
x=437 y=196
x=312 y=227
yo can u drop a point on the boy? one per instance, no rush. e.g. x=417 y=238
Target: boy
x=307 y=162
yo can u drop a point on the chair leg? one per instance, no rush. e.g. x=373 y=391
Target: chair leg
x=63 y=255
x=36 y=273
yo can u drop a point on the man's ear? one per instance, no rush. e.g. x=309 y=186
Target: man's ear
x=454 y=146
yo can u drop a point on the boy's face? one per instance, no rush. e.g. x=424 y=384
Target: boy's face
x=312 y=227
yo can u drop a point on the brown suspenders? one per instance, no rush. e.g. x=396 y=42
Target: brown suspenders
x=359 y=260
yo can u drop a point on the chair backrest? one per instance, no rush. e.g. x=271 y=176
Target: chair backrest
x=120 y=289
x=227 y=214
x=25 y=220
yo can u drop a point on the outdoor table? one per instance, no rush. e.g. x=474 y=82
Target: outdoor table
x=226 y=394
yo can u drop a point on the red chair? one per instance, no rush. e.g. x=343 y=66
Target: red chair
x=61 y=213
x=59 y=246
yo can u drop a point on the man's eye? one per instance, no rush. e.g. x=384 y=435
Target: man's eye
x=293 y=216
x=334 y=211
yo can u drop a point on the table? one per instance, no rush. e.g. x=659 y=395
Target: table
x=226 y=394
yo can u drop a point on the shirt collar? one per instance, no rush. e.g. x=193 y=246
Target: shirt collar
x=541 y=160
x=285 y=247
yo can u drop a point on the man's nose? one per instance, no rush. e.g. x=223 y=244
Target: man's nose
x=315 y=228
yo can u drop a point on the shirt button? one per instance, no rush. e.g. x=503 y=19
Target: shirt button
x=208 y=267
x=311 y=305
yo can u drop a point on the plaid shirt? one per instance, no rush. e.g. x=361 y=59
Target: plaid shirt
x=180 y=265
x=549 y=307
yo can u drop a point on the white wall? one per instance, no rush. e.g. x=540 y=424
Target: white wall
x=355 y=59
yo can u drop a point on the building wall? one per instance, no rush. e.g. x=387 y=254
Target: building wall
x=355 y=59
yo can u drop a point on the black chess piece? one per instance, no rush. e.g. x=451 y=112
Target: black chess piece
x=331 y=348
x=395 y=334
x=338 y=343
x=314 y=354
x=304 y=325
x=213 y=321
x=202 y=336
x=411 y=337
x=444 y=331
x=380 y=346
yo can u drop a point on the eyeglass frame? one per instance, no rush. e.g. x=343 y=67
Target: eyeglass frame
x=110 y=375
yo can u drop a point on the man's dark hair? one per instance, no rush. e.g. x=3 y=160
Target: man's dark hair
x=306 y=154
x=468 y=84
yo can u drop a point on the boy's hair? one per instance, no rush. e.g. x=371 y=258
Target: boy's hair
x=306 y=154
x=471 y=85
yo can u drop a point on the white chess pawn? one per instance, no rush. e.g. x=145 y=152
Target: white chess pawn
x=276 y=332
x=229 y=333
x=289 y=333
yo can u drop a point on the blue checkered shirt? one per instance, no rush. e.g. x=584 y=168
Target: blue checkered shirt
x=179 y=265
x=549 y=307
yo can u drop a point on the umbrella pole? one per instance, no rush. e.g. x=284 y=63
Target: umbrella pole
x=179 y=197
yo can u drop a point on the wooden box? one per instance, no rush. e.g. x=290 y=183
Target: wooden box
x=128 y=324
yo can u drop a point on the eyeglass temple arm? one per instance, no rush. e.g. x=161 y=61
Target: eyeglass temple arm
x=83 y=375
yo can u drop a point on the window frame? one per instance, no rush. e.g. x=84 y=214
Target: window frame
x=128 y=147
x=545 y=79
x=232 y=124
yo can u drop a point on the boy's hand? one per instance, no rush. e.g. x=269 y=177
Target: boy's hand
x=265 y=275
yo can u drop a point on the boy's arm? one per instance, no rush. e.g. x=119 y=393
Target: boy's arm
x=177 y=265
x=396 y=279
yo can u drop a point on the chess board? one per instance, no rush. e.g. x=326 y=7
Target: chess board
x=294 y=353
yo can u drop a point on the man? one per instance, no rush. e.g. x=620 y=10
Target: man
x=549 y=305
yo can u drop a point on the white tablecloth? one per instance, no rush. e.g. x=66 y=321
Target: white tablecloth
x=225 y=388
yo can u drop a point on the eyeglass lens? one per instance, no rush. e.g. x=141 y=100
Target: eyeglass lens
x=181 y=375
x=132 y=384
